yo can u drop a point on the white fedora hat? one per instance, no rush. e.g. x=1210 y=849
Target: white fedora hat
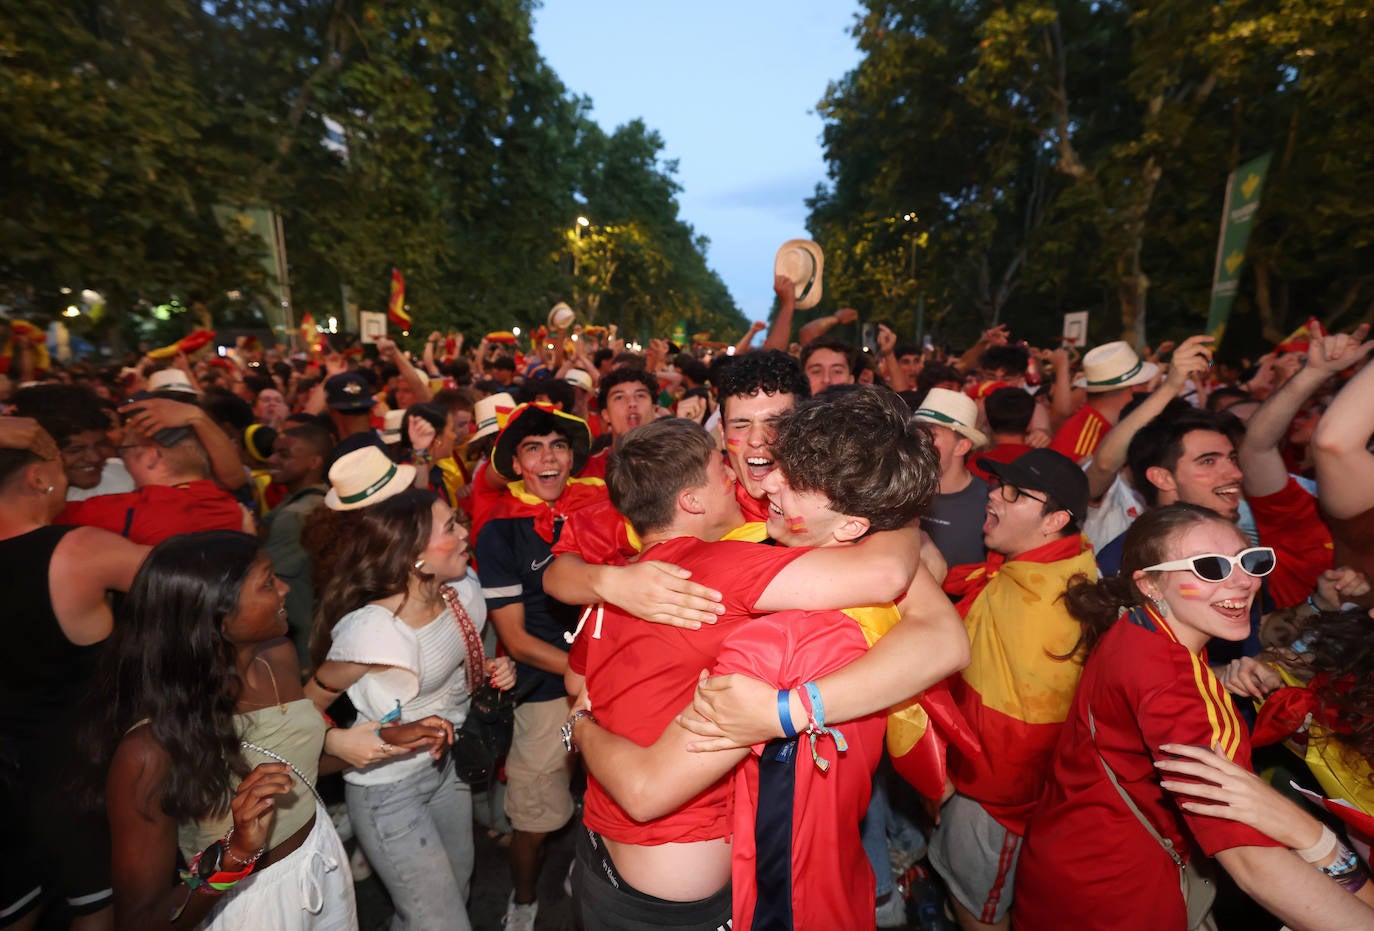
x=490 y=414
x=803 y=262
x=952 y=409
x=561 y=316
x=171 y=380
x=580 y=379
x=363 y=477
x=391 y=426
x=1112 y=366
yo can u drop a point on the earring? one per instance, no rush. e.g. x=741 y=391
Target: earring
x=49 y=490
x=1161 y=606
x=419 y=564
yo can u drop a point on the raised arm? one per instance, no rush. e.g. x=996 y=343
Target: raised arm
x=781 y=333
x=1260 y=456
x=1192 y=358
x=822 y=325
x=887 y=346
x=746 y=342
x=153 y=414
x=1345 y=466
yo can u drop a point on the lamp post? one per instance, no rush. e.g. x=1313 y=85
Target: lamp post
x=911 y=274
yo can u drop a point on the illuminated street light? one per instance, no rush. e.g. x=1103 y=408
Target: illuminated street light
x=583 y=222
x=72 y=311
x=515 y=330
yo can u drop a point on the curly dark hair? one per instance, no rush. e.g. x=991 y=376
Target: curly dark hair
x=168 y=661
x=858 y=446
x=62 y=410
x=357 y=557
x=1341 y=644
x=770 y=371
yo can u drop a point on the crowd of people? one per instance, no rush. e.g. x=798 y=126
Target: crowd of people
x=782 y=634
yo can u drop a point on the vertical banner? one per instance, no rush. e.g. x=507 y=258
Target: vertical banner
x=1243 y=190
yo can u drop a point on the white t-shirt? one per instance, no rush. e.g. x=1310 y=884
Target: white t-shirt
x=427 y=671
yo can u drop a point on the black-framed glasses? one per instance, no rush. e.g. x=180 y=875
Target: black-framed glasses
x=1011 y=494
x=1257 y=561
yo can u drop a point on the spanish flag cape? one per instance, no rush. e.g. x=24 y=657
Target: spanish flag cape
x=920 y=730
x=1016 y=690
x=1296 y=716
x=601 y=536
x=517 y=502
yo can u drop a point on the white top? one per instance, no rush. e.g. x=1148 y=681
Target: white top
x=427 y=671
x=1120 y=506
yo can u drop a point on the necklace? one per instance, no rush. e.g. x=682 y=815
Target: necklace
x=281 y=759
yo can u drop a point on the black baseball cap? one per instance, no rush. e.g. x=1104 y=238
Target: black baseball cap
x=348 y=392
x=1046 y=471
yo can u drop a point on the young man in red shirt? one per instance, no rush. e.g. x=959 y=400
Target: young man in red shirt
x=890 y=474
x=1112 y=373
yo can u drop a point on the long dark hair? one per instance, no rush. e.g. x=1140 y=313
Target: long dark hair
x=361 y=556
x=168 y=662
x=1097 y=605
x=1342 y=646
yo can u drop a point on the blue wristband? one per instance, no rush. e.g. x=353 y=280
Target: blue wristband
x=785 y=713
x=817 y=706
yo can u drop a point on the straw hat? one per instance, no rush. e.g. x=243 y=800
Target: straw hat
x=171 y=380
x=363 y=477
x=561 y=317
x=539 y=420
x=952 y=409
x=580 y=379
x=490 y=414
x=1112 y=366
x=391 y=426
x=802 y=261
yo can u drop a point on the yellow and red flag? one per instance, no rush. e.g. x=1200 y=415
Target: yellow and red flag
x=396 y=307
x=1298 y=340
x=308 y=332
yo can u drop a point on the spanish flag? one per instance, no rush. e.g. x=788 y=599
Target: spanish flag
x=1016 y=690
x=1298 y=340
x=396 y=308
x=921 y=730
x=308 y=332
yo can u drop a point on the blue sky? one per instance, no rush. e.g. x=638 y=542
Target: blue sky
x=732 y=88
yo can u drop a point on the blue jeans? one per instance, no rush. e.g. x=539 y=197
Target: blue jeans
x=417 y=834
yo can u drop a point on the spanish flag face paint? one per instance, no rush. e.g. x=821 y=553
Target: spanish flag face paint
x=796 y=525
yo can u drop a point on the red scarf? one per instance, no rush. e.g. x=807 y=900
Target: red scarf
x=579 y=493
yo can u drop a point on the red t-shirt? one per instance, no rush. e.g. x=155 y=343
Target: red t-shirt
x=1288 y=521
x=155 y=512
x=1002 y=452
x=828 y=882
x=1087 y=862
x=639 y=675
x=1081 y=434
x=596 y=465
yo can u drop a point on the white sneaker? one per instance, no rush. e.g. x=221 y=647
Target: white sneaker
x=519 y=917
x=892 y=913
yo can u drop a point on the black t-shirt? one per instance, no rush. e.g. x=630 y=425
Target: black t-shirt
x=511 y=559
x=955 y=523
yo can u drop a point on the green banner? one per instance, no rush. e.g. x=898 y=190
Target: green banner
x=1243 y=190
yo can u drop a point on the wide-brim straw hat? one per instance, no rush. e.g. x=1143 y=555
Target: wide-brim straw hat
x=561 y=317
x=365 y=477
x=802 y=261
x=490 y=414
x=952 y=409
x=171 y=380
x=540 y=420
x=1112 y=366
x=580 y=379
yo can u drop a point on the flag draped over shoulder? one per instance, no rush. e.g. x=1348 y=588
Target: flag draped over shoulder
x=1020 y=681
x=396 y=307
x=920 y=730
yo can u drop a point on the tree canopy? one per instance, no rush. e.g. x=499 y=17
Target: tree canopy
x=1065 y=156
x=423 y=135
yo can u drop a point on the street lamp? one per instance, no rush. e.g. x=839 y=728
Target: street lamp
x=583 y=222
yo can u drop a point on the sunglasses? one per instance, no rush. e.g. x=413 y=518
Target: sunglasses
x=1258 y=561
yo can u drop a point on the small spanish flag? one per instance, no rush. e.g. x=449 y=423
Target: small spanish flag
x=308 y=332
x=396 y=308
x=1298 y=340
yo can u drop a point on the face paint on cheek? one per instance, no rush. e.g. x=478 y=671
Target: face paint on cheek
x=796 y=525
x=1191 y=591
x=732 y=443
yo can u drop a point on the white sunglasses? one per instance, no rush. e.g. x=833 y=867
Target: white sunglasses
x=1257 y=561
